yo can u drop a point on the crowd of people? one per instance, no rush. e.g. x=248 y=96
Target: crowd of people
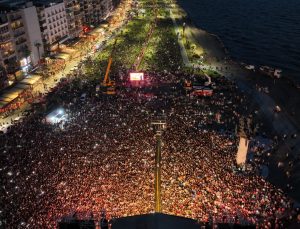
x=103 y=158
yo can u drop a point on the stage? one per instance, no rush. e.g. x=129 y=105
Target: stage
x=154 y=221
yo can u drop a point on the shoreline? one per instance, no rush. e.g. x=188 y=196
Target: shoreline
x=219 y=59
x=282 y=92
x=289 y=78
x=218 y=56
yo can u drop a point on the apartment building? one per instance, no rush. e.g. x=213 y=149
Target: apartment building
x=6 y=48
x=95 y=11
x=19 y=32
x=74 y=17
x=29 y=29
x=107 y=7
x=53 y=23
x=33 y=33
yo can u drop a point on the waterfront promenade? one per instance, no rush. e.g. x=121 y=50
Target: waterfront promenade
x=280 y=124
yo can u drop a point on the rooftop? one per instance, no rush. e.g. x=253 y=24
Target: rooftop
x=11 y=5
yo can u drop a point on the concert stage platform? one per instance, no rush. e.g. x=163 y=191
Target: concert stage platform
x=155 y=221
x=148 y=221
x=163 y=221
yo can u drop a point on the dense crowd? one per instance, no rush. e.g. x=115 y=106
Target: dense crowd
x=103 y=159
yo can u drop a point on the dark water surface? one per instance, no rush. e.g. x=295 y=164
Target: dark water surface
x=259 y=32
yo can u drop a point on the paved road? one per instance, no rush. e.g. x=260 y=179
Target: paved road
x=183 y=52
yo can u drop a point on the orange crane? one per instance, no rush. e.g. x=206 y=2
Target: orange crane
x=108 y=86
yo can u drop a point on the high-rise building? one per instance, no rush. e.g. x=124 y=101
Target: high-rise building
x=6 y=48
x=95 y=11
x=19 y=34
x=33 y=33
x=74 y=17
x=53 y=23
x=29 y=29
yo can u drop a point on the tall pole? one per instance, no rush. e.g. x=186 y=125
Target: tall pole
x=158 y=173
x=160 y=125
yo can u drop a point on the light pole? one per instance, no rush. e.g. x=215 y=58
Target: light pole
x=159 y=125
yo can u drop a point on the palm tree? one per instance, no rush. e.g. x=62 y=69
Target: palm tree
x=3 y=76
x=38 y=45
x=25 y=51
x=47 y=50
x=58 y=42
x=12 y=67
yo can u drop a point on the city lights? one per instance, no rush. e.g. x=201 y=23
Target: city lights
x=131 y=110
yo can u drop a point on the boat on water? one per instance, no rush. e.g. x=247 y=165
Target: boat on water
x=250 y=67
x=276 y=73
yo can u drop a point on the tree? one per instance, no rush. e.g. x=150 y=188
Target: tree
x=3 y=76
x=38 y=45
x=58 y=42
x=25 y=52
x=47 y=50
x=11 y=67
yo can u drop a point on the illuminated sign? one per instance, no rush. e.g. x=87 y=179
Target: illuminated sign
x=203 y=92
x=136 y=76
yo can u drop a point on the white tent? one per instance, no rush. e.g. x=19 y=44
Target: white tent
x=11 y=94
x=63 y=56
x=31 y=79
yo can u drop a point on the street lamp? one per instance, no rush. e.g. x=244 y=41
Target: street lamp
x=159 y=123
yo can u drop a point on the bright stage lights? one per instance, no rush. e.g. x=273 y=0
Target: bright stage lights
x=56 y=116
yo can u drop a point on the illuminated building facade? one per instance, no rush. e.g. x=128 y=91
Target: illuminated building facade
x=53 y=23
x=95 y=11
x=28 y=30
x=19 y=32
x=74 y=17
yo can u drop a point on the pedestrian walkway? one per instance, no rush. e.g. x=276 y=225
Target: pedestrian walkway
x=282 y=123
x=183 y=52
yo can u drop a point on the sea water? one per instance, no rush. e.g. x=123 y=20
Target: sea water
x=257 y=32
